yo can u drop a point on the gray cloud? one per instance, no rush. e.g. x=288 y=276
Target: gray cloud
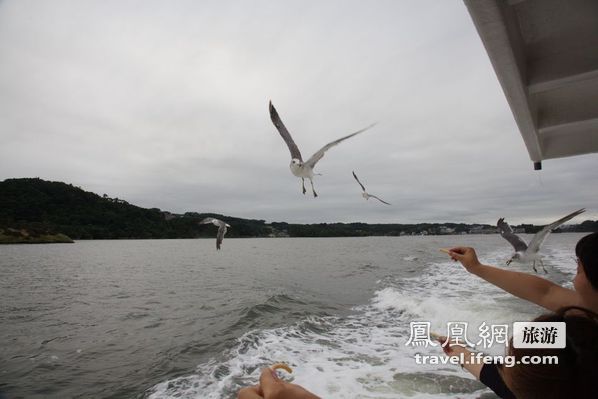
x=164 y=104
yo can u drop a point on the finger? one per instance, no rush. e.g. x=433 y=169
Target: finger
x=447 y=347
x=250 y=393
x=458 y=250
x=269 y=381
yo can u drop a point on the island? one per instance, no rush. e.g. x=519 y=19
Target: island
x=34 y=210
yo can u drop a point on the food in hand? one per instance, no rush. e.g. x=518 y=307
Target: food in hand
x=283 y=366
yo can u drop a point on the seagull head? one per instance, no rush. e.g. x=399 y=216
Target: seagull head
x=296 y=165
x=227 y=225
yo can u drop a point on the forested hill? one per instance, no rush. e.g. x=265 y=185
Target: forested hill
x=38 y=207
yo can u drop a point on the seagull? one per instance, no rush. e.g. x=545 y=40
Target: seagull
x=365 y=193
x=221 y=229
x=529 y=253
x=304 y=170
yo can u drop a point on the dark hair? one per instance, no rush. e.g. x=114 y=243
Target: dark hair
x=587 y=252
x=575 y=375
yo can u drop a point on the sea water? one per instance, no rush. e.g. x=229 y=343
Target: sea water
x=178 y=319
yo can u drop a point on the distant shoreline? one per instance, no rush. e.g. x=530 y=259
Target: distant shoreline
x=33 y=210
x=55 y=240
x=14 y=236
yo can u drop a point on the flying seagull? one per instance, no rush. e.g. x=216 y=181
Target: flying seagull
x=304 y=170
x=530 y=253
x=365 y=193
x=221 y=229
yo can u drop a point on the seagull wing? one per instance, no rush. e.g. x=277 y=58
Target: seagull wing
x=384 y=202
x=286 y=136
x=318 y=155
x=507 y=233
x=355 y=176
x=221 y=232
x=207 y=221
x=541 y=235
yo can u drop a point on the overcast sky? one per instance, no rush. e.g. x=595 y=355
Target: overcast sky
x=165 y=104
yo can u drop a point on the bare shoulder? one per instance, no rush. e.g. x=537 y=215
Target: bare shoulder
x=558 y=297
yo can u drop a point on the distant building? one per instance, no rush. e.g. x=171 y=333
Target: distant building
x=169 y=216
x=446 y=230
x=275 y=233
x=483 y=230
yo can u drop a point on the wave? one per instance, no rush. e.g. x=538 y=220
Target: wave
x=362 y=354
x=273 y=311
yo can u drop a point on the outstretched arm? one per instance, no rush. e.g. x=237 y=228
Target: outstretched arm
x=525 y=286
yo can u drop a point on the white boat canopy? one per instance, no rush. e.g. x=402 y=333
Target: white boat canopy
x=545 y=54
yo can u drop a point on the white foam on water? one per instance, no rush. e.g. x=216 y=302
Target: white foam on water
x=562 y=260
x=365 y=355
x=349 y=359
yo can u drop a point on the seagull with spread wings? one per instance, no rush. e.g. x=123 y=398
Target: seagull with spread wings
x=525 y=253
x=304 y=170
x=222 y=228
x=365 y=194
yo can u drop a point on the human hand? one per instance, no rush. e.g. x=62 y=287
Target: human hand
x=450 y=350
x=467 y=257
x=444 y=343
x=253 y=392
x=272 y=387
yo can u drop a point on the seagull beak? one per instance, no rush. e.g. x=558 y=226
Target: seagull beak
x=509 y=262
